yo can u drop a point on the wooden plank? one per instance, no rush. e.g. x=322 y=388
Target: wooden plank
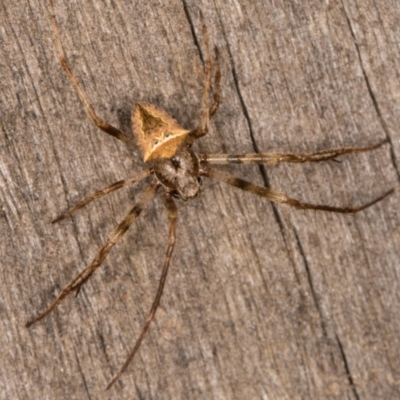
x=261 y=301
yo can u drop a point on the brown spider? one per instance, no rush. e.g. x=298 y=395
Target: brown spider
x=177 y=170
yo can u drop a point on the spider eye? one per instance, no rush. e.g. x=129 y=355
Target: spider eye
x=155 y=142
x=167 y=135
x=175 y=162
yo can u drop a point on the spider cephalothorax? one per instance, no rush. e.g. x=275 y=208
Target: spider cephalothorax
x=163 y=141
x=177 y=171
x=180 y=173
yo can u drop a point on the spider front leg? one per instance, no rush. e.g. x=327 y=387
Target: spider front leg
x=107 y=190
x=279 y=197
x=172 y=217
x=275 y=158
x=100 y=123
x=112 y=240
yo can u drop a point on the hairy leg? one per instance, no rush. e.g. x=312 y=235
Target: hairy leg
x=202 y=128
x=217 y=87
x=100 y=123
x=102 y=192
x=112 y=240
x=275 y=158
x=172 y=217
x=279 y=197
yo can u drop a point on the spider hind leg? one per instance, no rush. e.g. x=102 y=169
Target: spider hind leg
x=208 y=111
x=275 y=158
x=100 y=123
x=217 y=86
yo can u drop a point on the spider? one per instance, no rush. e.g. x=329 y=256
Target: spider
x=177 y=171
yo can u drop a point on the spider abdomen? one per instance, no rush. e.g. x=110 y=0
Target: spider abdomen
x=157 y=134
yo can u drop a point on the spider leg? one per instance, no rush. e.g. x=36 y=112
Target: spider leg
x=217 y=86
x=275 y=158
x=279 y=197
x=100 y=123
x=112 y=240
x=102 y=192
x=172 y=217
x=202 y=128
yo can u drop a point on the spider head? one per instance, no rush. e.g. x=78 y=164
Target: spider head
x=180 y=173
x=158 y=135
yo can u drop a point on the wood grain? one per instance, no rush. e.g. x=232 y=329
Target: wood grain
x=261 y=301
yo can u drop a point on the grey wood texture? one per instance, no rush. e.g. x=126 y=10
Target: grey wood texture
x=261 y=301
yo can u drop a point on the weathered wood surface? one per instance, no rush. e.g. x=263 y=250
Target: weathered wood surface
x=261 y=301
